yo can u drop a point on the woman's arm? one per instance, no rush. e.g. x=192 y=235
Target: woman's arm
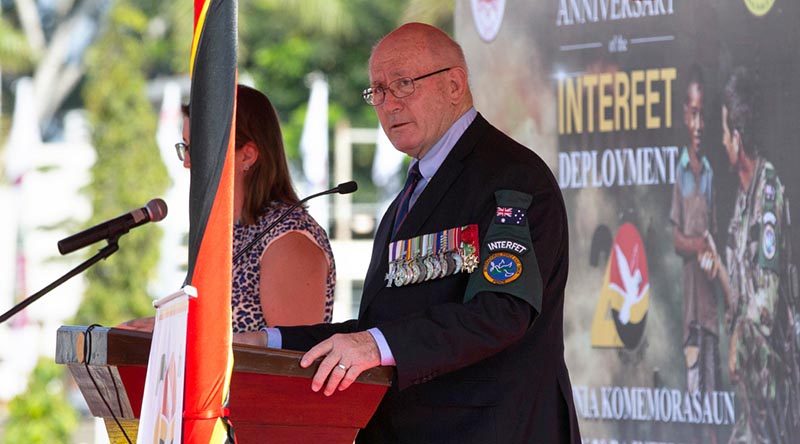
x=294 y=272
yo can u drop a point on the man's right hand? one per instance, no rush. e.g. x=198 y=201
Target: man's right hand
x=709 y=259
x=345 y=356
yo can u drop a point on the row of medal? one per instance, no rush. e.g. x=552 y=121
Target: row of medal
x=433 y=256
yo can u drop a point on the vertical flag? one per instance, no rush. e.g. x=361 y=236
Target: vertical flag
x=209 y=358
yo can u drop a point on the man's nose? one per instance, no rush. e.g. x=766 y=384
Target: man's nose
x=391 y=103
x=697 y=122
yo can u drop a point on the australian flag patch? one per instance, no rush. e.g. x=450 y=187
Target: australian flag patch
x=510 y=216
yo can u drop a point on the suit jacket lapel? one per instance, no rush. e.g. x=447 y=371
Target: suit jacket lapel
x=378 y=264
x=440 y=183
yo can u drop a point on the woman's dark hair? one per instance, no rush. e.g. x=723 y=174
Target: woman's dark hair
x=268 y=178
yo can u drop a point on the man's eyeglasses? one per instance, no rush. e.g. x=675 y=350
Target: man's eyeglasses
x=402 y=87
x=182 y=149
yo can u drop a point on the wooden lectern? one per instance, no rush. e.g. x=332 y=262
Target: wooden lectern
x=270 y=398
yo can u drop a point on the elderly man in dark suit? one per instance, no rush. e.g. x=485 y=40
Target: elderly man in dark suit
x=465 y=289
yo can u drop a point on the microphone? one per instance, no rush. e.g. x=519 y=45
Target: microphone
x=154 y=211
x=346 y=188
x=342 y=188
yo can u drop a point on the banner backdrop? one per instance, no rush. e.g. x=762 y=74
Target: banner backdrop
x=671 y=127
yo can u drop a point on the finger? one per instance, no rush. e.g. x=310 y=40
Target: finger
x=349 y=378
x=333 y=380
x=323 y=372
x=317 y=351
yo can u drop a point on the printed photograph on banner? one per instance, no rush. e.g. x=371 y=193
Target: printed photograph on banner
x=671 y=130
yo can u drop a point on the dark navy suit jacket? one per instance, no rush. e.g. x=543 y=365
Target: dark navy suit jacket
x=490 y=370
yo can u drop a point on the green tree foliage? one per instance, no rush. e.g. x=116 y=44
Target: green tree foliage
x=43 y=414
x=128 y=171
x=436 y=12
x=168 y=40
x=282 y=41
x=15 y=54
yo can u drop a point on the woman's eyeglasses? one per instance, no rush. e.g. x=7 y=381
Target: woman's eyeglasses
x=182 y=149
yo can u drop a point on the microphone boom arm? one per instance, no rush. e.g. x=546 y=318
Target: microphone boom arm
x=342 y=188
x=104 y=253
x=261 y=235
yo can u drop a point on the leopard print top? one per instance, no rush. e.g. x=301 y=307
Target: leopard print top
x=245 y=301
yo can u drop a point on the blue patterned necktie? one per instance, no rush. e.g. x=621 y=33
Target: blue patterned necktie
x=405 y=197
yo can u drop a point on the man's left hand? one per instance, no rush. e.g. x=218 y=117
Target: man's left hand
x=346 y=356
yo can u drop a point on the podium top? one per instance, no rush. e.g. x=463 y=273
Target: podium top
x=121 y=347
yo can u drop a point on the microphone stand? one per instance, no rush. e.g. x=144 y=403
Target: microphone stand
x=261 y=235
x=104 y=253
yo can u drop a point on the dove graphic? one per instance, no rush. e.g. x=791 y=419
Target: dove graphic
x=631 y=280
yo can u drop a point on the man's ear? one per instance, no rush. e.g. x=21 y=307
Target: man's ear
x=457 y=83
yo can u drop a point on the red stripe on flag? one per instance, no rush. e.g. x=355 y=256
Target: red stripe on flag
x=208 y=338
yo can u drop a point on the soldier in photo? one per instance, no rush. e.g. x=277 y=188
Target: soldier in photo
x=692 y=214
x=762 y=358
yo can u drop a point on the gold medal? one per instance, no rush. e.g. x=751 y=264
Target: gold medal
x=470 y=263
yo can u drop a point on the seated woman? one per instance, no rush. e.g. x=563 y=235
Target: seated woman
x=288 y=277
